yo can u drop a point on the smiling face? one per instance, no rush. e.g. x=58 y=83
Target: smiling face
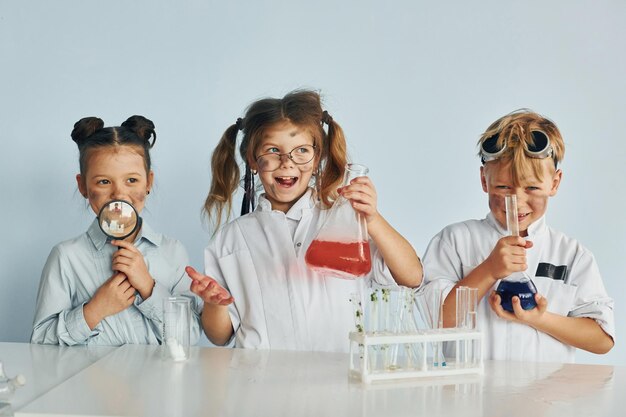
x=284 y=186
x=115 y=173
x=532 y=193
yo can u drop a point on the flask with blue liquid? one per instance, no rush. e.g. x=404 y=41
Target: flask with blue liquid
x=519 y=283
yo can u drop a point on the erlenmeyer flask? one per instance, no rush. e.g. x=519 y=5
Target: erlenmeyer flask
x=519 y=283
x=341 y=247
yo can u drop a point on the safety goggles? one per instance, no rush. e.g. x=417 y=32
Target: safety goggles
x=540 y=148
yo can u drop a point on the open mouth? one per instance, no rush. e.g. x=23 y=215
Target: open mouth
x=521 y=217
x=286 y=182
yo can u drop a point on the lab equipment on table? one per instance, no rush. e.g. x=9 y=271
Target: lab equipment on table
x=518 y=284
x=8 y=386
x=176 y=328
x=391 y=342
x=341 y=247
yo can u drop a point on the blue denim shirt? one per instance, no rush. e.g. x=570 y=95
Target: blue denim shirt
x=76 y=268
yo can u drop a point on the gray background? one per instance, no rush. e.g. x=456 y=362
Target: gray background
x=412 y=83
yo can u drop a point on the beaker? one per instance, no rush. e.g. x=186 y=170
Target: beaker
x=341 y=247
x=176 y=328
x=517 y=284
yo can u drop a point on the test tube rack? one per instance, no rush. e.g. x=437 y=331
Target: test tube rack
x=468 y=360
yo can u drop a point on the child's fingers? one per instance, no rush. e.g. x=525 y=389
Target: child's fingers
x=542 y=302
x=365 y=209
x=117 y=279
x=195 y=275
x=517 y=308
x=496 y=306
x=124 y=245
x=227 y=301
x=494 y=299
x=355 y=190
x=363 y=180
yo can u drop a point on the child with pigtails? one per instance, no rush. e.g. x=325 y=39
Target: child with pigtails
x=256 y=287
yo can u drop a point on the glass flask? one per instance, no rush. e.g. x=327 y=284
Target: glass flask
x=341 y=247
x=518 y=284
x=9 y=385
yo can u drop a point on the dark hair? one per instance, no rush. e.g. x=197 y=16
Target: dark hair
x=89 y=133
x=303 y=108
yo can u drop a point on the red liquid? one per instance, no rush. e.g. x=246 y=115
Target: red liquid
x=347 y=259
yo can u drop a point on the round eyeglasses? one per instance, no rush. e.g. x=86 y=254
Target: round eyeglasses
x=540 y=147
x=299 y=155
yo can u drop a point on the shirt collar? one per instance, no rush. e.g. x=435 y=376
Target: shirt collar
x=99 y=239
x=534 y=229
x=307 y=201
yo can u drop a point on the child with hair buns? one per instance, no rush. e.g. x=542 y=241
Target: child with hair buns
x=95 y=293
x=257 y=288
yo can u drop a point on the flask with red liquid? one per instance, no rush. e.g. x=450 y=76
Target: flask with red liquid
x=341 y=247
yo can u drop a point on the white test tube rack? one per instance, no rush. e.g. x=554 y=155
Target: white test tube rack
x=468 y=360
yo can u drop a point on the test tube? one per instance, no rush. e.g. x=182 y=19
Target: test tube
x=461 y=317
x=471 y=323
x=409 y=325
x=466 y=313
x=438 y=358
x=512 y=225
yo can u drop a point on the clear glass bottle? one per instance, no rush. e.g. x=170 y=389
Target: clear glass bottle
x=517 y=284
x=9 y=385
x=341 y=247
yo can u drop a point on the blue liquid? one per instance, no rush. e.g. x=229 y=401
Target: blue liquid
x=525 y=290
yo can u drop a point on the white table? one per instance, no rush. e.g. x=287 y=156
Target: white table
x=45 y=366
x=134 y=381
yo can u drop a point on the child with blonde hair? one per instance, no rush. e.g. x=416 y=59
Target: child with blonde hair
x=520 y=153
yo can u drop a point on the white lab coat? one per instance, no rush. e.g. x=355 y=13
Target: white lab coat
x=279 y=302
x=459 y=248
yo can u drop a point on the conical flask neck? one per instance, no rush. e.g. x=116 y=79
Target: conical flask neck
x=354 y=171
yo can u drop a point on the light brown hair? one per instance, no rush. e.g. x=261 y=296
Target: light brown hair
x=303 y=109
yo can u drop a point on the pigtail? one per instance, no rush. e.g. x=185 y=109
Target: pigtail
x=224 y=176
x=143 y=128
x=331 y=175
x=84 y=128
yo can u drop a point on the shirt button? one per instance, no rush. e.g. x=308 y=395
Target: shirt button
x=298 y=244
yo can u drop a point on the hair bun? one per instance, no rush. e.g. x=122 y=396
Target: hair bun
x=142 y=127
x=86 y=127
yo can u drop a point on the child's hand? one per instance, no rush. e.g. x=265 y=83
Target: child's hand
x=507 y=257
x=115 y=295
x=207 y=289
x=519 y=315
x=362 y=195
x=129 y=260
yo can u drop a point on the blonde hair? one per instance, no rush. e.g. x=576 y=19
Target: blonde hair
x=515 y=130
x=303 y=109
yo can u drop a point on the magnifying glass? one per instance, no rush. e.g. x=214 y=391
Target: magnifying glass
x=118 y=219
